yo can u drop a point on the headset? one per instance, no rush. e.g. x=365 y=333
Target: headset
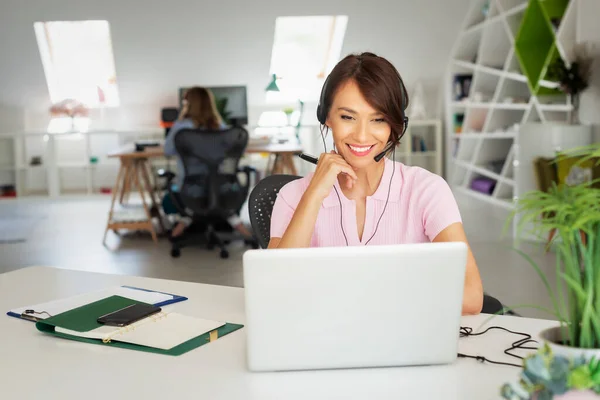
x=323 y=110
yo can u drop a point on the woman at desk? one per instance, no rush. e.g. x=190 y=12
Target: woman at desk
x=357 y=196
x=198 y=111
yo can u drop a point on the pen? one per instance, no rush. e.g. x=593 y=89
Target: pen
x=308 y=158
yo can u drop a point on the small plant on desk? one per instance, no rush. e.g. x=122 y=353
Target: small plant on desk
x=547 y=376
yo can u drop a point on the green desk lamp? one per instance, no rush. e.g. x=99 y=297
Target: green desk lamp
x=273 y=85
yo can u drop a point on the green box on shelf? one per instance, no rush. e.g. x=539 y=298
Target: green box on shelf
x=535 y=44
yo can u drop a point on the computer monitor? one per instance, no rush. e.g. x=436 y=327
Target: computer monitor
x=231 y=102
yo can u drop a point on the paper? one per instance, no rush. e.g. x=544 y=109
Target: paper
x=161 y=331
x=59 y=306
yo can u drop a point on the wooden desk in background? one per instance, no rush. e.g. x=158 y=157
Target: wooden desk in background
x=134 y=173
x=281 y=156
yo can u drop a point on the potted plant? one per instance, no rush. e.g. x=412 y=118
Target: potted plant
x=573 y=212
x=573 y=78
x=548 y=376
x=288 y=111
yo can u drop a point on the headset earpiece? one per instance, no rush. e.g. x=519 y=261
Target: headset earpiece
x=322 y=108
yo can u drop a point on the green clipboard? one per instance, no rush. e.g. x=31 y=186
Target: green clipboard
x=84 y=319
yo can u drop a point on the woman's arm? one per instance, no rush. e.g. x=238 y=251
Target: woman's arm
x=299 y=231
x=169 y=147
x=473 y=291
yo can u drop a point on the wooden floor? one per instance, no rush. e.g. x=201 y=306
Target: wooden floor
x=69 y=235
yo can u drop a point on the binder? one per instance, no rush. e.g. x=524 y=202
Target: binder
x=83 y=320
x=48 y=309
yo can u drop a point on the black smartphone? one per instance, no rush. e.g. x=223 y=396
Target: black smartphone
x=128 y=315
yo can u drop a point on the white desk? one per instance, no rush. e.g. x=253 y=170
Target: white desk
x=35 y=366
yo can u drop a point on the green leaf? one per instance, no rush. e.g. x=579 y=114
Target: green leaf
x=543 y=278
x=580 y=378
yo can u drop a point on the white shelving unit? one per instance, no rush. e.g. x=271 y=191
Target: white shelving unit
x=499 y=100
x=429 y=135
x=66 y=160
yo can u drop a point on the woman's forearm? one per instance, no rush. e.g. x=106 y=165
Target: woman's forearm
x=302 y=225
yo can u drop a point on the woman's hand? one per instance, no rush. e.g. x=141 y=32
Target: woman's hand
x=330 y=165
x=300 y=229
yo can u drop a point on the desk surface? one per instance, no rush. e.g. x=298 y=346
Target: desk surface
x=274 y=148
x=128 y=151
x=35 y=365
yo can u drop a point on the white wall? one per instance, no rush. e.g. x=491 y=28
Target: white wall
x=162 y=45
x=12 y=118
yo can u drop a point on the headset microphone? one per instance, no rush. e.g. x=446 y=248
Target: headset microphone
x=379 y=156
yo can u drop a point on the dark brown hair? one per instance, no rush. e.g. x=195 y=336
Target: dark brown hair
x=201 y=108
x=378 y=81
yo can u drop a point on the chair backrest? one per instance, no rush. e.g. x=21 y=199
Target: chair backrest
x=260 y=205
x=210 y=161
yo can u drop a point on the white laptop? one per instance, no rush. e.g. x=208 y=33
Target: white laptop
x=349 y=307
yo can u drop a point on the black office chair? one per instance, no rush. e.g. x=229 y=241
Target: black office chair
x=262 y=200
x=211 y=190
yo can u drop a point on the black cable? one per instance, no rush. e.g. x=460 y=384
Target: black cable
x=519 y=344
x=341 y=216
x=336 y=192
x=388 y=196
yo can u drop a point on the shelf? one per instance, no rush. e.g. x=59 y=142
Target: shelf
x=424 y=153
x=500 y=106
x=424 y=122
x=73 y=165
x=464 y=64
x=479 y=25
x=486 y=135
x=491 y=174
x=504 y=203
x=517 y=42
x=484 y=171
x=517 y=9
x=556 y=107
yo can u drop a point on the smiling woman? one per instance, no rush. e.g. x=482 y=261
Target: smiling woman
x=356 y=196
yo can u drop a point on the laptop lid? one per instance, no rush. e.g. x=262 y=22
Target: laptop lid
x=344 y=307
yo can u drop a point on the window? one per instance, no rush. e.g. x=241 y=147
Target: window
x=78 y=61
x=305 y=50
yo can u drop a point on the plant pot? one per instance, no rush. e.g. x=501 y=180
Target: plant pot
x=554 y=336
x=577 y=395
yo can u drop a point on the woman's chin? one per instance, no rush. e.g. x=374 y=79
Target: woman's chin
x=360 y=162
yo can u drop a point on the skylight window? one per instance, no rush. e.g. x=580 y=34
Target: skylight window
x=78 y=61
x=305 y=50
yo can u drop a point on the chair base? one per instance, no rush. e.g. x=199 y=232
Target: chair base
x=211 y=239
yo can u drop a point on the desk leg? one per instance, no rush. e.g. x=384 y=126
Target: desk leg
x=137 y=167
x=270 y=164
x=115 y=191
x=127 y=179
x=288 y=162
x=144 y=168
x=277 y=165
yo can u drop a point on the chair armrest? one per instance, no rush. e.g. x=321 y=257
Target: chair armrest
x=168 y=175
x=247 y=170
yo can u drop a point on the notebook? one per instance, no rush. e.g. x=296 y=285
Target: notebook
x=55 y=307
x=166 y=333
x=161 y=331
